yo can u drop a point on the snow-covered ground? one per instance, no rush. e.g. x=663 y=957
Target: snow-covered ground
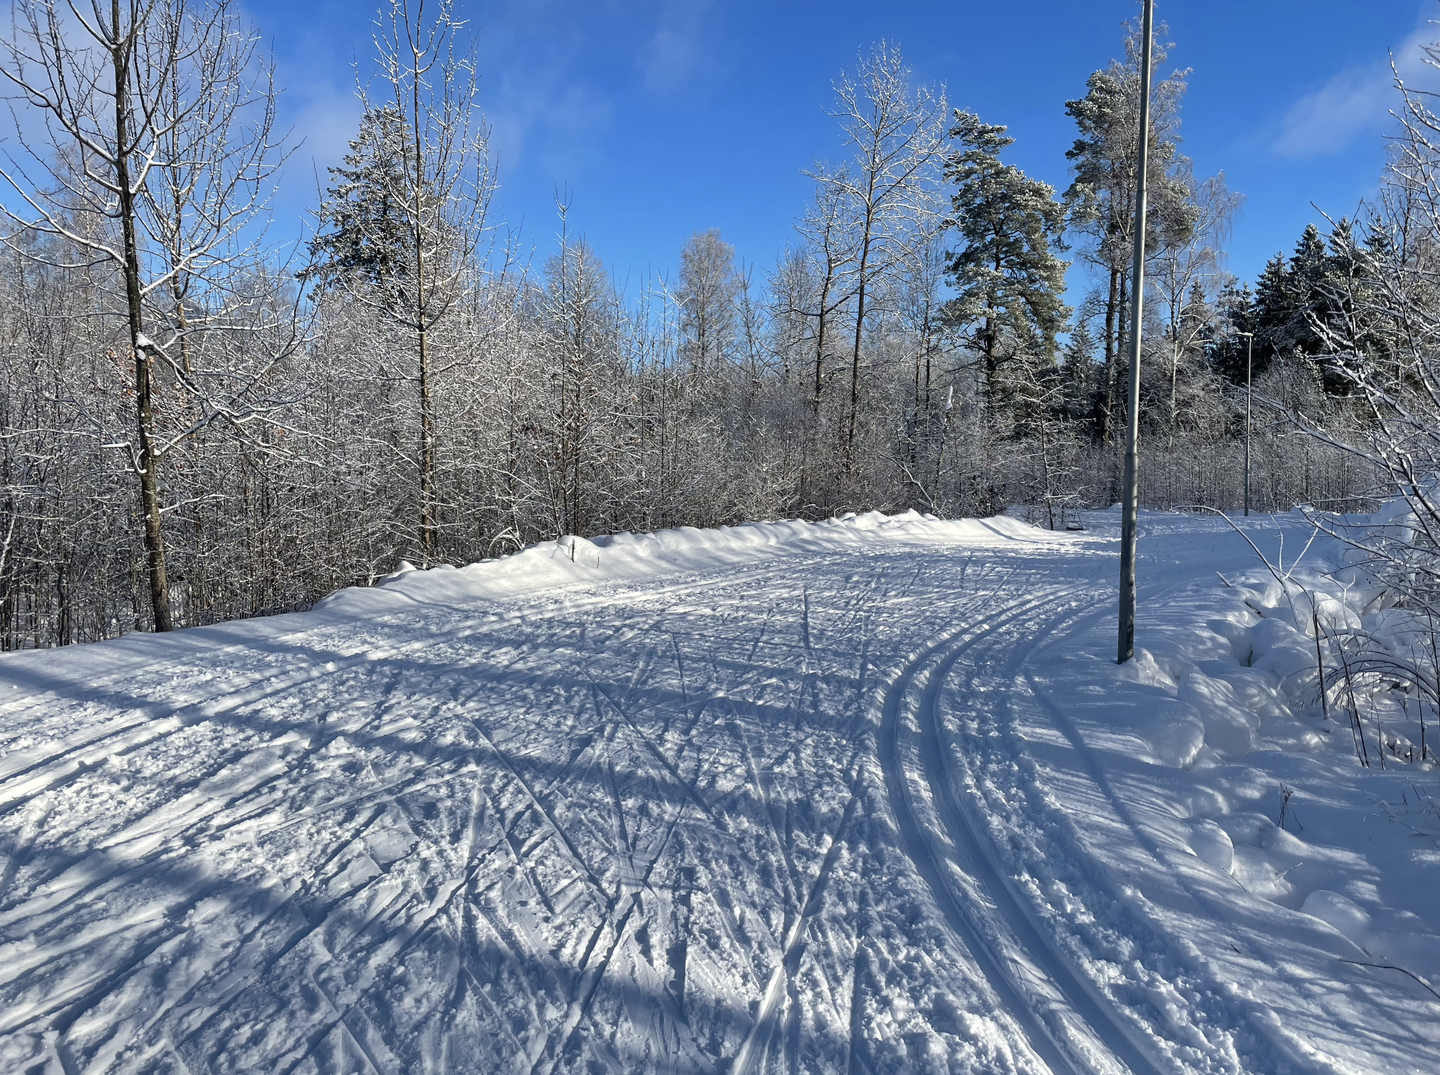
x=862 y=796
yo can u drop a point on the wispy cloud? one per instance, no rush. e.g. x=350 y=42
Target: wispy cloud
x=677 y=52
x=557 y=125
x=1357 y=100
x=548 y=113
x=326 y=116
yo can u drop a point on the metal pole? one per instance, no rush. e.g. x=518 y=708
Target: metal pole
x=1130 y=510
x=1249 y=355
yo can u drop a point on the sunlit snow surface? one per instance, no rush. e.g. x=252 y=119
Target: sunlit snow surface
x=862 y=796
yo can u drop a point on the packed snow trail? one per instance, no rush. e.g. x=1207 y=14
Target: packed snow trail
x=757 y=800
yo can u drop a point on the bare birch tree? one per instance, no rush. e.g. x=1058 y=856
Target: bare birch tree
x=898 y=138
x=707 y=289
x=1187 y=274
x=138 y=171
x=832 y=248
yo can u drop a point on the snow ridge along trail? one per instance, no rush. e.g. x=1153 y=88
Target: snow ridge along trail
x=757 y=799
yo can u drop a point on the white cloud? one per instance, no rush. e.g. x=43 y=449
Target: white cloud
x=327 y=117
x=548 y=113
x=541 y=115
x=1357 y=100
x=676 y=53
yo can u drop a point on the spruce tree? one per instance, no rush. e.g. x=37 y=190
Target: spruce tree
x=1310 y=277
x=1344 y=306
x=1365 y=260
x=1294 y=298
x=411 y=206
x=1081 y=396
x=1228 y=348
x=363 y=233
x=1274 y=308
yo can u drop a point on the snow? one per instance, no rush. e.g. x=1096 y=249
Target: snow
x=867 y=795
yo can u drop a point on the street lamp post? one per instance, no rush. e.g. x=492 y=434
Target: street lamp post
x=1130 y=488
x=1249 y=366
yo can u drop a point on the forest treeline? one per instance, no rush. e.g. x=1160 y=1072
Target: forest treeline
x=196 y=429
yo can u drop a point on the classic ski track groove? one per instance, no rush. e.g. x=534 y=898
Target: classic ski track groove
x=1084 y=1001
x=958 y=813
x=917 y=841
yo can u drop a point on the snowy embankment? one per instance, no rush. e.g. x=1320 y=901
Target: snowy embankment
x=1196 y=829
x=626 y=557
x=865 y=795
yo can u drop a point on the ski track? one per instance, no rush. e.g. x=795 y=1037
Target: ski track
x=707 y=823
x=959 y=837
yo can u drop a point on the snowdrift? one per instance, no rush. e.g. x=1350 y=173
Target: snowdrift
x=572 y=560
x=1296 y=813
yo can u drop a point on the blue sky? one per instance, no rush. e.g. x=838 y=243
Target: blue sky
x=665 y=117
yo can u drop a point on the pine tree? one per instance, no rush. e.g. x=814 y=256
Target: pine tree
x=1101 y=198
x=1007 y=278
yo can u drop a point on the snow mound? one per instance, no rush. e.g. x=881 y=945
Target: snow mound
x=1212 y=845
x=572 y=560
x=1339 y=912
x=1290 y=748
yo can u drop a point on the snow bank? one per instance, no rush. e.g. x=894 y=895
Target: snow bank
x=447 y=599
x=1315 y=794
x=1194 y=828
x=572 y=560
